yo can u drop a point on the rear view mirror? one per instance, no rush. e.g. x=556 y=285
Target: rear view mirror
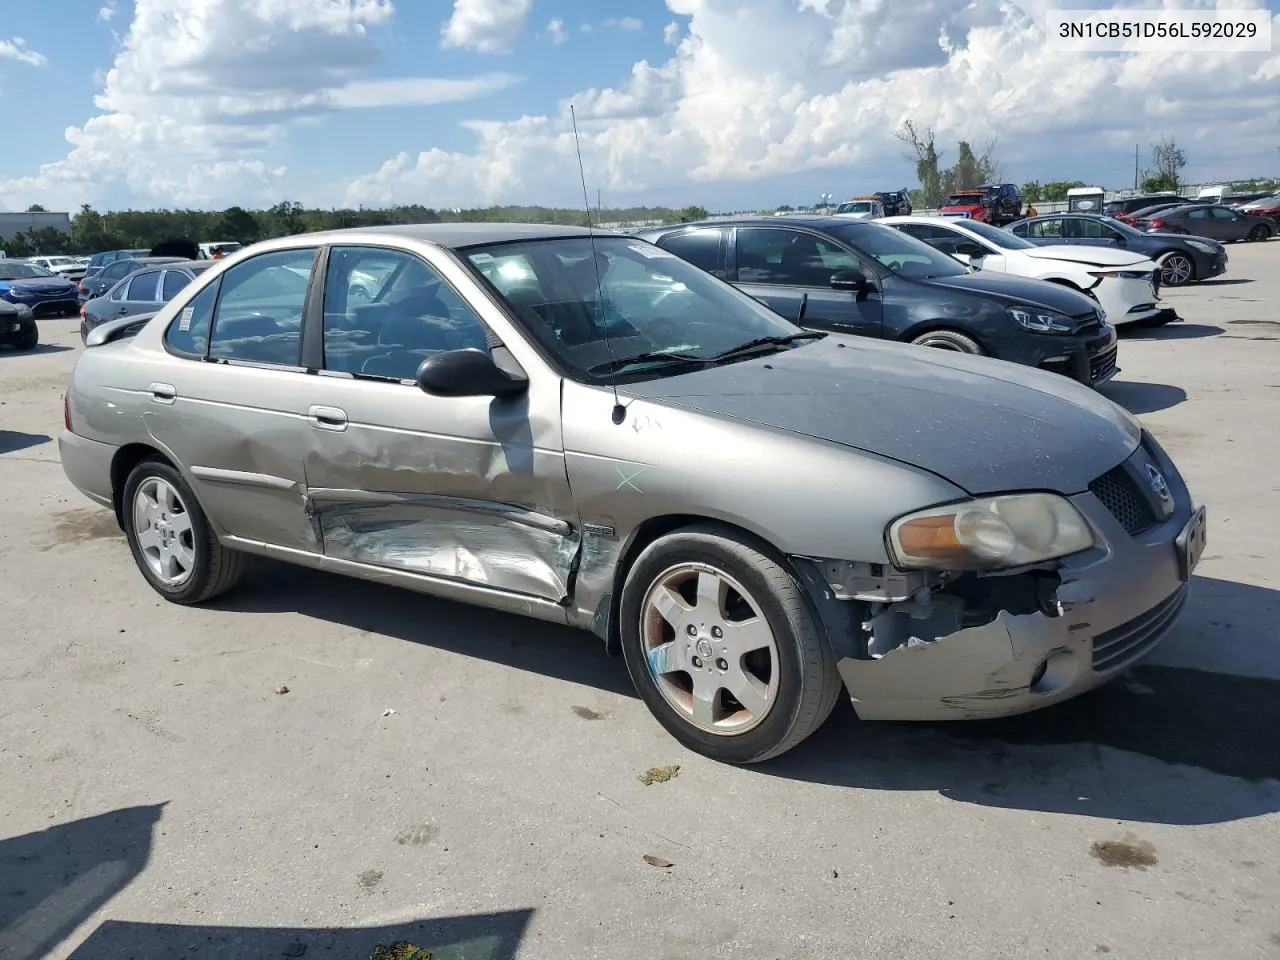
x=854 y=280
x=467 y=373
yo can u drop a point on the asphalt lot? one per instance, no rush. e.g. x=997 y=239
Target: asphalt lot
x=159 y=798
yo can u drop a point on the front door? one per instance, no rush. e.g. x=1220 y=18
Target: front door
x=470 y=488
x=784 y=267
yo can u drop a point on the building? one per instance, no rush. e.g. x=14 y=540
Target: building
x=12 y=224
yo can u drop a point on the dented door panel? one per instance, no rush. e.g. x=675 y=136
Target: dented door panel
x=471 y=489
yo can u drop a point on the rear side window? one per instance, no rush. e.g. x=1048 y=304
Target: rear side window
x=143 y=286
x=258 y=317
x=699 y=247
x=188 y=334
x=174 y=282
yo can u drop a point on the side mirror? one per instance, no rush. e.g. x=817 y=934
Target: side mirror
x=467 y=373
x=854 y=280
x=970 y=250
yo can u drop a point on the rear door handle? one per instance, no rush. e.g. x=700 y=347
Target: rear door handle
x=327 y=418
x=163 y=392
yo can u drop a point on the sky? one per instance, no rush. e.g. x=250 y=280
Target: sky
x=728 y=104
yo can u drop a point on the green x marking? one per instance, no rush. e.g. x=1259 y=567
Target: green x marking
x=628 y=481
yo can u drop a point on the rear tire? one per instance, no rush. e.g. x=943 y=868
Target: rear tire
x=169 y=535
x=727 y=592
x=952 y=340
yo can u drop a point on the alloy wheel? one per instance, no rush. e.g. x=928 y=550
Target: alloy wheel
x=710 y=651
x=162 y=525
x=1176 y=270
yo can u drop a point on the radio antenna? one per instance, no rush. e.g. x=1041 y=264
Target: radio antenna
x=619 y=411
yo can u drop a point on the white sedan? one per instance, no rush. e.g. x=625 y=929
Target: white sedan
x=1124 y=284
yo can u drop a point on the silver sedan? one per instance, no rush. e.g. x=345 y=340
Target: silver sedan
x=586 y=429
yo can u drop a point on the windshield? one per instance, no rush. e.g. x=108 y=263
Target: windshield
x=1000 y=237
x=22 y=271
x=858 y=206
x=899 y=252
x=972 y=200
x=646 y=301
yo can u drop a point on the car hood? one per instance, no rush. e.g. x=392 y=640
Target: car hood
x=40 y=285
x=1009 y=289
x=984 y=425
x=1095 y=256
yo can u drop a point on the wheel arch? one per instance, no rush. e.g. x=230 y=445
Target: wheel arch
x=930 y=326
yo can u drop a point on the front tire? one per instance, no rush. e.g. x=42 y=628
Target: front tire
x=723 y=647
x=1259 y=233
x=1176 y=269
x=171 y=539
x=28 y=337
x=952 y=340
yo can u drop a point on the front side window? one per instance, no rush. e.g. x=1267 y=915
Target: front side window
x=939 y=238
x=647 y=303
x=699 y=247
x=258 y=316
x=385 y=311
x=143 y=286
x=788 y=257
x=899 y=252
x=1222 y=213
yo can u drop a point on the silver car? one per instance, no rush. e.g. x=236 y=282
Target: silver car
x=589 y=430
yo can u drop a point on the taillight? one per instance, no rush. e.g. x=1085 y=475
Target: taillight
x=66 y=412
x=1155 y=223
x=82 y=309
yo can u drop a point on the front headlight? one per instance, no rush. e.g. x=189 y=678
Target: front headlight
x=990 y=533
x=1039 y=320
x=1202 y=246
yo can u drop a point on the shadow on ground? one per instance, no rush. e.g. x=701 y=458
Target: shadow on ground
x=1224 y=282
x=1139 y=397
x=1174 y=331
x=37 y=349
x=487 y=936
x=53 y=880
x=11 y=440
x=1196 y=747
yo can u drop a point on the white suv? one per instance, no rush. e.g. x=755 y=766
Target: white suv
x=1124 y=284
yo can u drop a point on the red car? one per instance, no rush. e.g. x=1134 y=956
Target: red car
x=1265 y=207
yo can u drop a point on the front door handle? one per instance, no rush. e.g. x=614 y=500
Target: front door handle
x=327 y=418
x=163 y=392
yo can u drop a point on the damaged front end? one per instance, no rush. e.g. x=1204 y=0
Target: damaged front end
x=924 y=645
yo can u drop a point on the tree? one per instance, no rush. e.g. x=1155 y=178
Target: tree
x=237 y=224
x=1167 y=160
x=1032 y=192
x=36 y=208
x=970 y=169
x=923 y=152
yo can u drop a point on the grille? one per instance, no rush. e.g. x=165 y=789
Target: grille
x=1101 y=366
x=1119 y=494
x=1124 y=644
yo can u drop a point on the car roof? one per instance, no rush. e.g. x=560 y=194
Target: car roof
x=820 y=221
x=456 y=235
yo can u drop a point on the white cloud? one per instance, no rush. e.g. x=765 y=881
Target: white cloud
x=195 y=108
x=487 y=26
x=17 y=49
x=622 y=23
x=671 y=34
x=555 y=31
x=108 y=10
x=767 y=88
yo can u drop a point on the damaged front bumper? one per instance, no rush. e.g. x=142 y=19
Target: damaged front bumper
x=1049 y=637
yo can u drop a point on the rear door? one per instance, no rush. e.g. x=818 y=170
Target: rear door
x=230 y=407
x=140 y=294
x=472 y=489
x=781 y=267
x=173 y=283
x=1199 y=222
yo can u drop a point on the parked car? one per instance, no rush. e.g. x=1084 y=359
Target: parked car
x=18 y=326
x=216 y=251
x=751 y=513
x=830 y=273
x=1143 y=212
x=1210 y=220
x=98 y=284
x=897 y=203
x=1182 y=260
x=100 y=260
x=68 y=267
x=1123 y=283
x=862 y=208
x=1238 y=200
x=44 y=292
x=994 y=203
x=141 y=292
x=1114 y=208
x=1268 y=206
